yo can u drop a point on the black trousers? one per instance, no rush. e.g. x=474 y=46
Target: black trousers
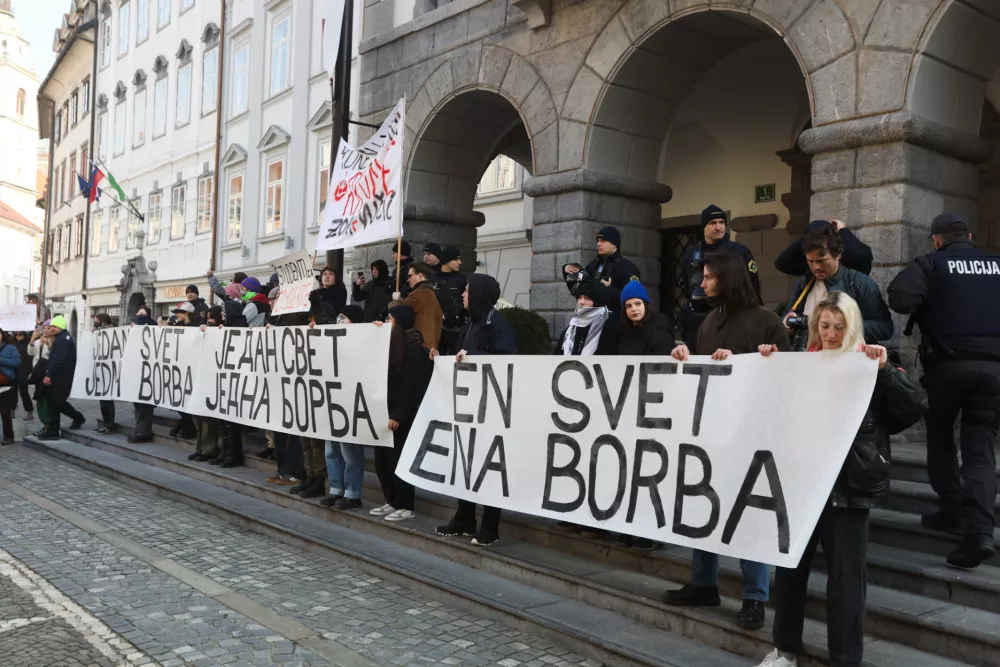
x=58 y=396
x=972 y=387
x=108 y=413
x=844 y=536
x=143 y=419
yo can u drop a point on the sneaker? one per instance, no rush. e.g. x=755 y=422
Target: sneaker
x=350 y=504
x=972 y=551
x=329 y=501
x=485 y=539
x=77 y=423
x=751 y=616
x=944 y=522
x=692 y=596
x=453 y=529
x=400 y=515
x=382 y=511
x=775 y=659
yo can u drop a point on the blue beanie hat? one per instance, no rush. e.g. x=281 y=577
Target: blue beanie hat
x=611 y=235
x=634 y=290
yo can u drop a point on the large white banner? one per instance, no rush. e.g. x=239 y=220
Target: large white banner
x=296 y=279
x=736 y=458
x=161 y=364
x=99 y=363
x=18 y=317
x=365 y=197
x=326 y=382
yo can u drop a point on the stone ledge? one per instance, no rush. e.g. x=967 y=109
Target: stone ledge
x=588 y=180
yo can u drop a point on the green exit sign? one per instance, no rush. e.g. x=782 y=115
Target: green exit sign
x=763 y=193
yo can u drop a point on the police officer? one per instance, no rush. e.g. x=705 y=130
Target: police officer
x=954 y=294
x=609 y=267
x=450 y=283
x=715 y=237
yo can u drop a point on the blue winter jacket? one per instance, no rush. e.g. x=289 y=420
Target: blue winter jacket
x=10 y=361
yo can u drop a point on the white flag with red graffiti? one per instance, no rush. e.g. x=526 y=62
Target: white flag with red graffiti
x=365 y=198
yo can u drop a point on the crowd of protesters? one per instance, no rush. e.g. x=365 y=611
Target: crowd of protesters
x=433 y=307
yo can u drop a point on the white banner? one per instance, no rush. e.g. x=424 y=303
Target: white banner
x=365 y=197
x=736 y=458
x=327 y=382
x=161 y=364
x=296 y=279
x=99 y=362
x=20 y=317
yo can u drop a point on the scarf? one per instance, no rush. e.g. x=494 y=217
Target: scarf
x=592 y=317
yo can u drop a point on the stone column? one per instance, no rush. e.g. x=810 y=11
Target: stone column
x=568 y=210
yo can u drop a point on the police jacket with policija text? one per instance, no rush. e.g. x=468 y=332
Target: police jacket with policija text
x=62 y=360
x=955 y=294
x=619 y=270
x=692 y=266
x=877 y=318
x=896 y=404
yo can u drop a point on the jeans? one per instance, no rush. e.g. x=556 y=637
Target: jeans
x=705 y=574
x=345 y=468
x=844 y=535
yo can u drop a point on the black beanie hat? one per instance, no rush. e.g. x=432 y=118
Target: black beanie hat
x=404 y=315
x=611 y=235
x=354 y=313
x=191 y=288
x=711 y=213
x=434 y=249
x=448 y=253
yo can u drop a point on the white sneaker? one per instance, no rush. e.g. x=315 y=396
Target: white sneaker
x=382 y=511
x=401 y=515
x=775 y=659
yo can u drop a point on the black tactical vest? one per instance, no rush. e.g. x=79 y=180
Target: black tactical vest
x=964 y=296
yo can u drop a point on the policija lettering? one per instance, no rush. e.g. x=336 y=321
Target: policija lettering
x=105 y=378
x=162 y=379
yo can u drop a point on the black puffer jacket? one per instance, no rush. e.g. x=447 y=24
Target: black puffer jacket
x=864 y=478
x=877 y=318
x=654 y=337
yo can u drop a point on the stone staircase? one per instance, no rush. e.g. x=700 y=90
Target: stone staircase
x=920 y=611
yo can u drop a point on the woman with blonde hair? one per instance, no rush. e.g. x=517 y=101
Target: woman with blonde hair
x=836 y=327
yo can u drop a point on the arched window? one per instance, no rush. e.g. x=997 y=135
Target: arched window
x=20 y=102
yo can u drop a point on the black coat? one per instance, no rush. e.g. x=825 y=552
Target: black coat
x=62 y=360
x=408 y=381
x=654 y=337
x=619 y=269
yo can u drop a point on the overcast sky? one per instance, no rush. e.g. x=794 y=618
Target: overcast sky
x=38 y=20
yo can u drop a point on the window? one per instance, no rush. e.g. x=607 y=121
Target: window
x=141 y=21
x=72 y=176
x=160 y=108
x=132 y=227
x=102 y=137
x=209 y=80
x=105 y=41
x=183 y=115
x=95 y=232
x=162 y=13
x=58 y=244
x=324 y=177
x=139 y=119
x=113 y=231
x=279 y=54
x=21 y=99
x=204 y=204
x=241 y=74
x=272 y=212
x=86 y=96
x=120 y=109
x=153 y=218
x=74 y=108
x=234 y=221
x=123 y=29
x=66 y=243
x=177 y=211
x=78 y=236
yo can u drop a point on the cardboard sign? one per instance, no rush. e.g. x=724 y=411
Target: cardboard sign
x=365 y=202
x=736 y=458
x=296 y=279
x=99 y=360
x=18 y=317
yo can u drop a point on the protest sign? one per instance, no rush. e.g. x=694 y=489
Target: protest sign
x=161 y=364
x=327 y=382
x=20 y=317
x=365 y=200
x=99 y=359
x=296 y=279
x=736 y=458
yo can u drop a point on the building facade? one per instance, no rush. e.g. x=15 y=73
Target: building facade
x=65 y=99
x=639 y=113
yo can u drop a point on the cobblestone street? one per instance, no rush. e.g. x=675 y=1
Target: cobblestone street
x=93 y=572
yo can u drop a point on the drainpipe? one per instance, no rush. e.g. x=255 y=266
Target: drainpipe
x=218 y=135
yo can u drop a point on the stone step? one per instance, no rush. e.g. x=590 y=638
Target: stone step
x=919 y=498
x=603 y=581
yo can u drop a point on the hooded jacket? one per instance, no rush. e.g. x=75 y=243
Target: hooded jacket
x=375 y=294
x=256 y=309
x=486 y=331
x=423 y=299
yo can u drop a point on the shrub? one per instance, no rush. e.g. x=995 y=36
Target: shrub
x=530 y=330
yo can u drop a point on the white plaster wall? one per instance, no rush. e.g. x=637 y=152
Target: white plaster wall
x=723 y=139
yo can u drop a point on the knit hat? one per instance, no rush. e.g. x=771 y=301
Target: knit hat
x=404 y=315
x=405 y=246
x=449 y=253
x=354 y=313
x=434 y=249
x=611 y=235
x=713 y=212
x=233 y=290
x=59 y=322
x=251 y=284
x=191 y=288
x=634 y=290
